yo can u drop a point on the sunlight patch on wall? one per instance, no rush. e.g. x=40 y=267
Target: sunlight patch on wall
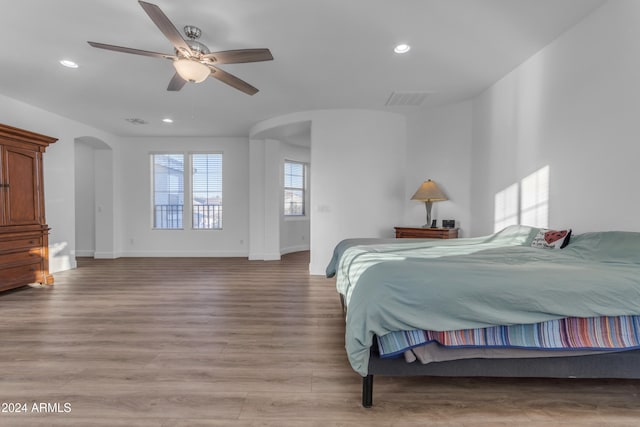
x=506 y=207
x=525 y=202
x=534 y=199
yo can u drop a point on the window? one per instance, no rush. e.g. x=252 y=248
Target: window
x=294 y=188
x=206 y=191
x=168 y=190
x=170 y=186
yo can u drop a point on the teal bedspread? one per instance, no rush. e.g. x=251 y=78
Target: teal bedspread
x=443 y=285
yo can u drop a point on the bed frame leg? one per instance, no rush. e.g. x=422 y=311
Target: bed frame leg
x=367 y=391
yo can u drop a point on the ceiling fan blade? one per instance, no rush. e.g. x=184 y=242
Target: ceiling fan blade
x=130 y=50
x=232 y=80
x=166 y=26
x=239 y=56
x=176 y=82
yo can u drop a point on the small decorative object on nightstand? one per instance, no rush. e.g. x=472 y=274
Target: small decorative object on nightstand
x=426 y=233
x=448 y=223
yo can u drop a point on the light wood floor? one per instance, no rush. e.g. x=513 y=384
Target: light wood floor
x=226 y=342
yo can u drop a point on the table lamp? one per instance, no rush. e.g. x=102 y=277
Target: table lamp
x=429 y=193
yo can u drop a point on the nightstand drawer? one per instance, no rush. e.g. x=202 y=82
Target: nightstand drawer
x=426 y=233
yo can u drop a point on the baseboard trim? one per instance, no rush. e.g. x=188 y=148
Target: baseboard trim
x=104 y=255
x=194 y=254
x=264 y=257
x=292 y=249
x=84 y=253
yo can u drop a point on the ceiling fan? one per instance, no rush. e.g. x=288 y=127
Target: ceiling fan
x=192 y=60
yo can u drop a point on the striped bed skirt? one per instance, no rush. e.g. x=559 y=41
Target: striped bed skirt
x=573 y=333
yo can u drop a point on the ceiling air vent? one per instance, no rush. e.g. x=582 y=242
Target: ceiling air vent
x=136 y=121
x=411 y=99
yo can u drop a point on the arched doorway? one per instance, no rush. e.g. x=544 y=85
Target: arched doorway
x=94 y=212
x=272 y=233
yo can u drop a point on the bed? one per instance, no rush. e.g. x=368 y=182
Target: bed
x=516 y=303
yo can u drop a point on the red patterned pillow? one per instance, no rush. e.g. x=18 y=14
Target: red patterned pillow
x=551 y=239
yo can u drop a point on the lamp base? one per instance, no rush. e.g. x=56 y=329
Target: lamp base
x=429 y=224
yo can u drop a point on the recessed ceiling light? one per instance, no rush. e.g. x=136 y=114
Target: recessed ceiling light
x=69 y=64
x=167 y=120
x=402 y=48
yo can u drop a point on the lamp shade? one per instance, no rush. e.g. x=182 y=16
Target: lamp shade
x=191 y=71
x=429 y=192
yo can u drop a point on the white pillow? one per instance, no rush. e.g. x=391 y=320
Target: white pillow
x=551 y=239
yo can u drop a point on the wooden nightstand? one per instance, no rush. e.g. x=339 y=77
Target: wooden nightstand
x=426 y=233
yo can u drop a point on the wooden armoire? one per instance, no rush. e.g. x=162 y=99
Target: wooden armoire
x=24 y=234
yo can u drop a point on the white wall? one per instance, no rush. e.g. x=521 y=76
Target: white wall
x=132 y=167
x=257 y=200
x=59 y=172
x=264 y=202
x=575 y=107
x=85 y=200
x=272 y=189
x=439 y=148
x=358 y=178
x=104 y=203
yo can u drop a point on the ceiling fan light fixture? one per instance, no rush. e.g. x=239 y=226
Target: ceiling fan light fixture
x=191 y=71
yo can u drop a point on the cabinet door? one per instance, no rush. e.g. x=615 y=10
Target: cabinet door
x=21 y=174
x=3 y=185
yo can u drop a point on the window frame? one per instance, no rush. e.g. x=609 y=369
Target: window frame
x=190 y=155
x=152 y=191
x=187 y=189
x=304 y=189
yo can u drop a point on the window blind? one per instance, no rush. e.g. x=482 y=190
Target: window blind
x=168 y=190
x=206 y=190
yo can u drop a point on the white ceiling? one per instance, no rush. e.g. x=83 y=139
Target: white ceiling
x=327 y=54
